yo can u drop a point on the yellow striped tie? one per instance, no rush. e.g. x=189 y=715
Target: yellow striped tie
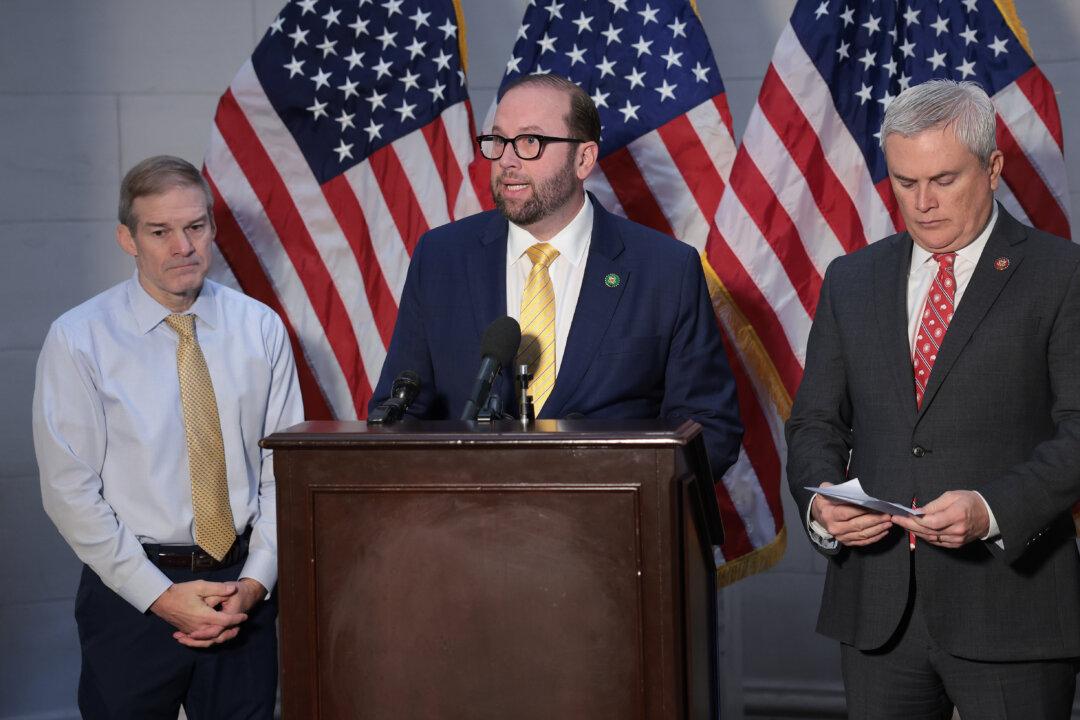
x=214 y=529
x=537 y=348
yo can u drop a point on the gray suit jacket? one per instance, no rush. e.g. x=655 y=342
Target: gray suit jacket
x=1001 y=415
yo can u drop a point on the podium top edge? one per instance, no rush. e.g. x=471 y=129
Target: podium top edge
x=329 y=433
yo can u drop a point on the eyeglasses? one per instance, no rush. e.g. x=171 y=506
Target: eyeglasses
x=527 y=146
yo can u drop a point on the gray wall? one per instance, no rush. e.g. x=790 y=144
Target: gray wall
x=88 y=88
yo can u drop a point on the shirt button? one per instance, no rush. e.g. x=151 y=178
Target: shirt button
x=918 y=451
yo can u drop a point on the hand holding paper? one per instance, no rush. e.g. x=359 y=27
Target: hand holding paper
x=852 y=524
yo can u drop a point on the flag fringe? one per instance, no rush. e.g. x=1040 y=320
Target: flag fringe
x=463 y=49
x=1012 y=19
x=754 y=562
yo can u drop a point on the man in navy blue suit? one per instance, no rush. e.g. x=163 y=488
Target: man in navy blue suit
x=630 y=330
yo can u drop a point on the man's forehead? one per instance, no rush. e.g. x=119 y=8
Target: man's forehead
x=931 y=146
x=943 y=134
x=175 y=196
x=163 y=209
x=532 y=108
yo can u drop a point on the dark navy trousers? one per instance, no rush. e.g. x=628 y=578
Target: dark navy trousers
x=133 y=668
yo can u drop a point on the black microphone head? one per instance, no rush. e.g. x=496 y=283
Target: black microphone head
x=501 y=340
x=406 y=386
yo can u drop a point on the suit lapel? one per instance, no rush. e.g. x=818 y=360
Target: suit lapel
x=983 y=289
x=485 y=268
x=890 y=299
x=595 y=308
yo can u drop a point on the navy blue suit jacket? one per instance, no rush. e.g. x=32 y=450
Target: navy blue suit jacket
x=647 y=348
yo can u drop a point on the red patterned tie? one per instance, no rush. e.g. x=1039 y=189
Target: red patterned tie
x=936 y=315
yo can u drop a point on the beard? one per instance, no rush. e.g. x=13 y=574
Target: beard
x=548 y=196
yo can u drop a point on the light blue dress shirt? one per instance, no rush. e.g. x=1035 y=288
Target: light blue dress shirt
x=109 y=428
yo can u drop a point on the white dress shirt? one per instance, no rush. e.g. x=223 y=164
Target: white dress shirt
x=567 y=271
x=921 y=274
x=924 y=268
x=109 y=428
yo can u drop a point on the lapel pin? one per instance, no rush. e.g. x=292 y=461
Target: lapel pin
x=612 y=280
x=1001 y=263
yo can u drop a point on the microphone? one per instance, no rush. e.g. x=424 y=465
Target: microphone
x=402 y=393
x=498 y=347
x=526 y=409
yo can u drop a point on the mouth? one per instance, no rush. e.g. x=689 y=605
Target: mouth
x=512 y=186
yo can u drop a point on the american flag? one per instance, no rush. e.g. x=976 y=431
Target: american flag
x=345 y=137
x=665 y=155
x=809 y=181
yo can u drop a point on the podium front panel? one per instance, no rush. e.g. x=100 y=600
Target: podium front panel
x=469 y=609
x=505 y=581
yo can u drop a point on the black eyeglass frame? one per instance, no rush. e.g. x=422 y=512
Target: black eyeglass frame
x=542 y=139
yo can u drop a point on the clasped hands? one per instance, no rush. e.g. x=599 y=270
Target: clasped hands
x=207 y=613
x=952 y=520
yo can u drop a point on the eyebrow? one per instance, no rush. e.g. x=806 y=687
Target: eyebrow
x=904 y=178
x=205 y=217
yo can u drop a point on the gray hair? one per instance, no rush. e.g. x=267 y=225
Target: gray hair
x=154 y=176
x=940 y=103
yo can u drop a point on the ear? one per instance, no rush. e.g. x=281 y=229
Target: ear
x=997 y=162
x=590 y=151
x=125 y=240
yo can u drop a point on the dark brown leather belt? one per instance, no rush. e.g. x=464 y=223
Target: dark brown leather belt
x=194 y=558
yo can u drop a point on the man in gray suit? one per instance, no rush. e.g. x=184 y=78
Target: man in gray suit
x=943 y=370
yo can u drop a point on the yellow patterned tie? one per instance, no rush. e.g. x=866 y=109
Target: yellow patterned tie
x=214 y=529
x=537 y=348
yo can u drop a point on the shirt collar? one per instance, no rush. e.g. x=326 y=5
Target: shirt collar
x=571 y=241
x=149 y=312
x=970 y=253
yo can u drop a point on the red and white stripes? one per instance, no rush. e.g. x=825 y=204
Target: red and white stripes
x=331 y=258
x=1029 y=133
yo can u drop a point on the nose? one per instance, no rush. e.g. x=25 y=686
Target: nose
x=509 y=157
x=925 y=199
x=182 y=244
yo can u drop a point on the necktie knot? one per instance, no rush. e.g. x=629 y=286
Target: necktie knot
x=945 y=260
x=184 y=325
x=542 y=254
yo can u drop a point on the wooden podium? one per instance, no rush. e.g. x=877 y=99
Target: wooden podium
x=462 y=570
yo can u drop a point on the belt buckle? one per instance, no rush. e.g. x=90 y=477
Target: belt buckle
x=201 y=563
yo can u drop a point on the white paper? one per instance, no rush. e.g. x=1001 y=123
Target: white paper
x=851 y=492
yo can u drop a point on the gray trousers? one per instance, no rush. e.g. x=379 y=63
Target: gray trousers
x=911 y=678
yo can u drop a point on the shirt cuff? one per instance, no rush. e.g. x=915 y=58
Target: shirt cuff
x=993 y=531
x=818 y=534
x=144 y=587
x=261 y=566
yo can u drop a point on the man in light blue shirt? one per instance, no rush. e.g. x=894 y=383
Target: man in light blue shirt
x=162 y=622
